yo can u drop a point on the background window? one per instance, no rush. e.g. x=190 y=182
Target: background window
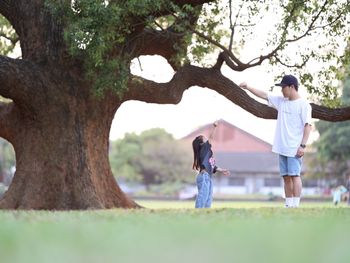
x=236 y=181
x=272 y=182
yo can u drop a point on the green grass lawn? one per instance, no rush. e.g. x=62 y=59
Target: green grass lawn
x=231 y=204
x=174 y=232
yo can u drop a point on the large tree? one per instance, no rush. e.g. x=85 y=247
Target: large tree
x=74 y=73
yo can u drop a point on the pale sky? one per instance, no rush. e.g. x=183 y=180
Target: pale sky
x=199 y=106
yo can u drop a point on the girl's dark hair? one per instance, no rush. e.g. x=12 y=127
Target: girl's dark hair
x=196 y=145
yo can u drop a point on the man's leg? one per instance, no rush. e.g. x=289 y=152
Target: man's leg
x=297 y=186
x=294 y=169
x=288 y=190
x=288 y=183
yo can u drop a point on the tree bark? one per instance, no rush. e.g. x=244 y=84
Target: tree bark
x=66 y=169
x=61 y=148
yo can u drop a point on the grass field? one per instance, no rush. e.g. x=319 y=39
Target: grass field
x=174 y=232
x=231 y=204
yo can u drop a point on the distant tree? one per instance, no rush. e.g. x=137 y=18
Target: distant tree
x=333 y=145
x=154 y=157
x=122 y=156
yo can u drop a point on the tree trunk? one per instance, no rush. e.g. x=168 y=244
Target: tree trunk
x=62 y=157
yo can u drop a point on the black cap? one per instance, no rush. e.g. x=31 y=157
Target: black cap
x=288 y=80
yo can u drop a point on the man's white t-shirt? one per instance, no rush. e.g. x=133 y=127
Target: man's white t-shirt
x=291 y=119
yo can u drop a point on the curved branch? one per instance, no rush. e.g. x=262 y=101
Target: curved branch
x=16 y=75
x=227 y=58
x=188 y=76
x=8 y=119
x=10 y=72
x=332 y=115
x=301 y=65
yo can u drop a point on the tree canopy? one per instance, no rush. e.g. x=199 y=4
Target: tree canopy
x=107 y=35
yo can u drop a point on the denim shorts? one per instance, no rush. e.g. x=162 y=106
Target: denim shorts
x=290 y=166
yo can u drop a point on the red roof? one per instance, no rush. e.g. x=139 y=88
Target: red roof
x=229 y=138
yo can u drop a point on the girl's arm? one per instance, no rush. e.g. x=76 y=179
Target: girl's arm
x=211 y=135
x=223 y=171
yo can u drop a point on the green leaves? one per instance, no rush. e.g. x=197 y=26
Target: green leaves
x=8 y=37
x=94 y=30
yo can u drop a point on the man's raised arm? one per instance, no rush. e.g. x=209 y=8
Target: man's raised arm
x=259 y=93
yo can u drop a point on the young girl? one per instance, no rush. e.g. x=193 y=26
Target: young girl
x=204 y=162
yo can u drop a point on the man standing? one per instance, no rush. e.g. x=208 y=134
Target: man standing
x=292 y=132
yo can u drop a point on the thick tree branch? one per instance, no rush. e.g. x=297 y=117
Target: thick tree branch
x=188 y=76
x=15 y=78
x=332 y=115
x=8 y=120
x=11 y=71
